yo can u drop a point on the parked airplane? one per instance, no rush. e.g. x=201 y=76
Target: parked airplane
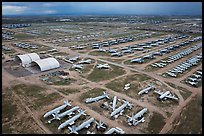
x=57 y=110
x=105 y=95
x=120 y=109
x=165 y=95
x=86 y=124
x=114 y=102
x=71 y=121
x=117 y=54
x=127 y=86
x=88 y=61
x=68 y=112
x=115 y=130
x=100 y=124
x=138 y=60
x=74 y=58
x=146 y=90
x=77 y=66
x=100 y=66
x=102 y=50
x=134 y=119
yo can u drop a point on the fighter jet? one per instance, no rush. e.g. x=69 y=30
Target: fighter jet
x=105 y=95
x=100 y=66
x=88 y=61
x=68 y=112
x=165 y=95
x=57 y=110
x=71 y=121
x=134 y=120
x=120 y=109
x=146 y=90
x=83 y=125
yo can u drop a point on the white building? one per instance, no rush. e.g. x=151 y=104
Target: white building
x=26 y=59
x=46 y=64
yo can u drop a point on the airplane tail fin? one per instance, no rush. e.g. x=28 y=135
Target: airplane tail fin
x=67 y=103
x=82 y=111
x=72 y=129
x=106 y=94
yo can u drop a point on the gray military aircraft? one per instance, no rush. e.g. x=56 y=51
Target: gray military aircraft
x=120 y=109
x=165 y=95
x=134 y=120
x=105 y=95
x=68 y=112
x=146 y=90
x=71 y=121
x=86 y=124
x=57 y=110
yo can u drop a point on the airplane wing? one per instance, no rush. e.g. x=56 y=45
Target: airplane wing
x=159 y=92
x=71 y=123
x=87 y=125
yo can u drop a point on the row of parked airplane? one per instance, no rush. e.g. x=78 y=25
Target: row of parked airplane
x=72 y=128
x=162 y=95
x=178 y=55
x=115 y=112
x=81 y=63
x=182 y=67
x=195 y=78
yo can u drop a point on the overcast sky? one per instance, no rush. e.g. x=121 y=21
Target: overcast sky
x=93 y=8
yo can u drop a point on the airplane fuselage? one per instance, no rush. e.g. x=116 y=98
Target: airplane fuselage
x=85 y=124
x=119 y=109
x=164 y=95
x=68 y=112
x=54 y=110
x=70 y=121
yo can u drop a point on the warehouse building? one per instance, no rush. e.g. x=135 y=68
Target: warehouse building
x=26 y=59
x=46 y=64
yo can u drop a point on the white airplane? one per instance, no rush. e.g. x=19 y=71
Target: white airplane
x=88 y=61
x=105 y=95
x=71 y=121
x=57 y=110
x=127 y=86
x=74 y=58
x=114 y=102
x=127 y=51
x=112 y=50
x=165 y=95
x=100 y=66
x=146 y=90
x=68 y=112
x=100 y=124
x=117 y=54
x=120 y=109
x=115 y=130
x=102 y=50
x=86 y=124
x=77 y=66
x=138 y=60
x=134 y=119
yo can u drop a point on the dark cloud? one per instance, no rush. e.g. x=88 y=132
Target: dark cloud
x=153 y=8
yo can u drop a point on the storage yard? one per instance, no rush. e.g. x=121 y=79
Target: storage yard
x=89 y=77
